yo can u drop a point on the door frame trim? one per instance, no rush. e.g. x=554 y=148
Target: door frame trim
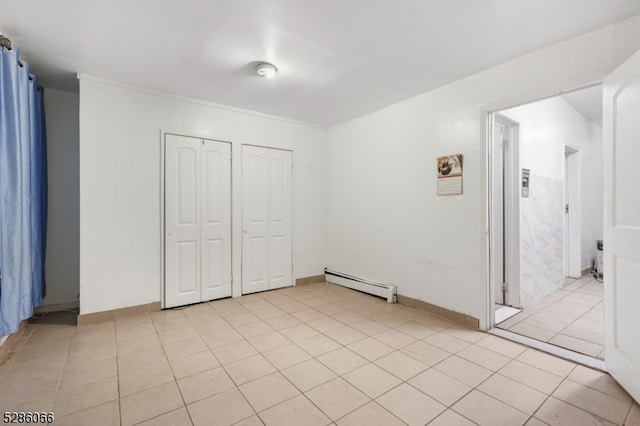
x=573 y=256
x=487 y=112
x=510 y=231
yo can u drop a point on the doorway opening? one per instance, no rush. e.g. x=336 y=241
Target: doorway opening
x=545 y=218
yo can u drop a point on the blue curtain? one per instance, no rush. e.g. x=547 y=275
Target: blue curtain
x=23 y=191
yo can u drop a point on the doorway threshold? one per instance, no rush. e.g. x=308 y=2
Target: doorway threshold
x=576 y=357
x=503 y=313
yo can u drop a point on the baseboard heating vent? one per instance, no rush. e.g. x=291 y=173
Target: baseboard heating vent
x=387 y=291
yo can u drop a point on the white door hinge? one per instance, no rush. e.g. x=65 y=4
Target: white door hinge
x=505 y=144
x=505 y=286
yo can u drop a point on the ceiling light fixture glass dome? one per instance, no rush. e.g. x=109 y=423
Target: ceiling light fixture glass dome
x=265 y=69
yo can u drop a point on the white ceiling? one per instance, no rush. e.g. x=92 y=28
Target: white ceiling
x=338 y=59
x=588 y=102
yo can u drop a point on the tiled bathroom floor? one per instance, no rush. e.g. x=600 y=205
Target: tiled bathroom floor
x=572 y=317
x=314 y=355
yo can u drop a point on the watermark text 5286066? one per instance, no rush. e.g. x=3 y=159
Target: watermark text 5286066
x=28 y=417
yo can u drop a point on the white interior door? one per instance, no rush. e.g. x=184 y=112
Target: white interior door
x=255 y=219
x=621 y=129
x=216 y=219
x=182 y=220
x=280 y=223
x=197 y=220
x=267 y=219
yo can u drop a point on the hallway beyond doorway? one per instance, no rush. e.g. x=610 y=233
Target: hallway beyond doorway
x=571 y=317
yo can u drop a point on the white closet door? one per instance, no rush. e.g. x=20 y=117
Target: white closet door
x=197 y=220
x=182 y=220
x=216 y=219
x=267 y=219
x=280 y=220
x=255 y=219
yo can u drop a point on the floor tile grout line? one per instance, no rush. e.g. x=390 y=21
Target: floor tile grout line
x=578 y=408
x=550 y=394
x=596 y=390
x=175 y=379
x=115 y=338
x=628 y=415
x=55 y=398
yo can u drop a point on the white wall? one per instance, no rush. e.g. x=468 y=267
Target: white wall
x=386 y=221
x=591 y=180
x=545 y=128
x=63 y=227
x=120 y=147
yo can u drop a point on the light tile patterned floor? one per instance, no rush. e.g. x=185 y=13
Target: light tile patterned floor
x=572 y=317
x=314 y=355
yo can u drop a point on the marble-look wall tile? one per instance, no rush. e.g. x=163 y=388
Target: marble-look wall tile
x=541 y=239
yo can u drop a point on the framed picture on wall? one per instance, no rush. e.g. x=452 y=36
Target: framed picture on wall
x=450 y=174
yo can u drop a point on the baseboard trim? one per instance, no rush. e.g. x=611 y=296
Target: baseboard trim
x=457 y=317
x=310 y=280
x=114 y=314
x=56 y=307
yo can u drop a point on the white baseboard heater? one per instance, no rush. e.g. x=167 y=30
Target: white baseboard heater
x=387 y=291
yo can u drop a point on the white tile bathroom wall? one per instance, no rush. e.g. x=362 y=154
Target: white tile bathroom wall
x=541 y=233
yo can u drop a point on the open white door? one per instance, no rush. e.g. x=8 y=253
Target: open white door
x=621 y=129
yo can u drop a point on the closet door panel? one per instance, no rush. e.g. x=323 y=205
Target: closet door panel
x=255 y=219
x=216 y=219
x=280 y=219
x=182 y=220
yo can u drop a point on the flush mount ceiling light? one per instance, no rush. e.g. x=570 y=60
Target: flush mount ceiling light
x=265 y=69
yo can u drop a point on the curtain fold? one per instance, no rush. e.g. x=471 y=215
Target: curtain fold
x=22 y=192
x=38 y=191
